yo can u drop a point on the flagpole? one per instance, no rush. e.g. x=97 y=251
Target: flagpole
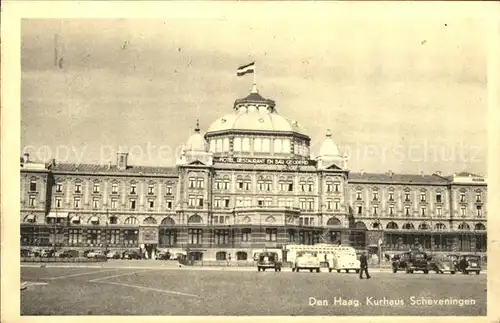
x=254 y=87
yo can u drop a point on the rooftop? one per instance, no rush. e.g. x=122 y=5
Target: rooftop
x=94 y=168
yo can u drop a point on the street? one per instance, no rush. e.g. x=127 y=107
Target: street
x=191 y=291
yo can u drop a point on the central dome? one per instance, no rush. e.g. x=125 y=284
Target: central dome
x=257 y=114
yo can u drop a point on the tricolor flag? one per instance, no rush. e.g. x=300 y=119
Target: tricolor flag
x=245 y=69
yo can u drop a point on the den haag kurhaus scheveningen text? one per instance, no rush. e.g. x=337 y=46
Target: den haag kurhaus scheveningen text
x=246 y=185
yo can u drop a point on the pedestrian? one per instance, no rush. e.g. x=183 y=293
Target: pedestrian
x=364 y=266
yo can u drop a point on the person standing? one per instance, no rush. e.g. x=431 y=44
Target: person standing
x=363 y=262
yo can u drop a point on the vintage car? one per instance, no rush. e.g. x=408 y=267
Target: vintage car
x=306 y=260
x=344 y=258
x=97 y=254
x=113 y=255
x=131 y=254
x=69 y=254
x=442 y=264
x=268 y=260
x=470 y=263
x=410 y=262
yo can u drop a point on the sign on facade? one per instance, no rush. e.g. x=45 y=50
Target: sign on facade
x=148 y=235
x=264 y=161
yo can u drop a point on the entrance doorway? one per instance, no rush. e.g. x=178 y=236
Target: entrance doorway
x=151 y=251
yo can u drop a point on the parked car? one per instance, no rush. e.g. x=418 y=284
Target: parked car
x=96 y=254
x=268 y=260
x=113 y=255
x=163 y=255
x=47 y=253
x=442 y=264
x=27 y=253
x=470 y=263
x=69 y=254
x=410 y=262
x=306 y=260
x=131 y=254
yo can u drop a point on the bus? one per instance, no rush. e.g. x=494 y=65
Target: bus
x=338 y=257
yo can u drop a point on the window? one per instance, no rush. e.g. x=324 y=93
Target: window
x=133 y=189
x=407 y=197
x=200 y=201
x=269 y=184
x=375 y=196
x=329 y=204
x=462 y=211
x=169 y=237
x=132 y=204
x=257 y=145
x=360 y=210
x=329 y=186
x=337 y=205
x=59 y=187
x=277 y=146
x=310 y=186
x=74 y=236
x=221 y=236
x=248 y=184
x=95 y=203
x=226 y=184
x=271 y=234
x=479 y=210
x=290 y=187
x=375 y=208
x=302 y=185
x=310 y=204
x=151 y=189
x=422 y=197
x=195 y=236
x=130 y=237
x=76 y=202
x=200 y=183
x=225 y=144
x=169 y=190
x=439 y=211
x=407 y=210
x=336 y=187
x=478 y=197
x=226 y=202
x=192 y=200
x=96 y=188
x=169 y=205
x=358 y=195
x=439 y=197
x=245 y=145
x=391 y=210
x=239 y=183
x=32 y=200
x=237 y=144
x=218 y=184
x=192 y=182
x=58 y=202
x=33 y=185
x=78 y=188
x=113 y=237
x=246 y=235
x=462 y=198
x=114 y=188
x=391 y=196
x=113 y=220
x=422 y=211
x=289 y=202
x=114 y=203
x=260 y=185
x=151 y=204
x=92 y=236
x=303 y=204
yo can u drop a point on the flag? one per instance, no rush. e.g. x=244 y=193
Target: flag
x=245 y=69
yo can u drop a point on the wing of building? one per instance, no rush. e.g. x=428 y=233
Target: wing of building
x=247 y=184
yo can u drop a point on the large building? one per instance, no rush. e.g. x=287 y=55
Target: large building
x=246 y=185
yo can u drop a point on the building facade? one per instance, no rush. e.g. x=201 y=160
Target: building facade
x=246 y=185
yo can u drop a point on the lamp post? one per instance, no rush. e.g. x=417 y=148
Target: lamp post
x=106 y=233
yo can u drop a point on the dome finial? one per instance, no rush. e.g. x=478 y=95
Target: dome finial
x=254 y=88
x=328 y=133
x=197 y=129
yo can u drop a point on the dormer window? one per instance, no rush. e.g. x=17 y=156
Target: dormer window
x=151 y=189
x=133 y=189
x=96 y=188
x=462 y=197
x=33 y=185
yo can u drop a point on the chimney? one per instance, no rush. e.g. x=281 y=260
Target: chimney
x=26 y=157
x=53 y=162
x=390 y=173
x=438 y=173
x=121 y=160
x=422 y=173
x=109 y=165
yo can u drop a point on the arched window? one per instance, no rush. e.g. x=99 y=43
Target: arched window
x=408 y=226
x=75 y=220
x=168 y=221
x=423 y=226
x=131 y=220
x=479 y=226
x=440 y=227
x=94 y=220
x=113 y=220
x=463 y=227
x=333 y=221
x=149 y=220
x=195 y=219
x=375 y=225
x=359 y=225
x=241 y=255
x=221 y=255
x=392 y=226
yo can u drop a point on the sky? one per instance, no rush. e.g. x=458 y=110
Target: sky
x=406 y=95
